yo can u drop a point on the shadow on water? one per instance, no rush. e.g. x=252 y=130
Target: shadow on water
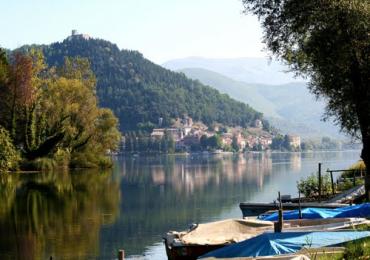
x=55 y=214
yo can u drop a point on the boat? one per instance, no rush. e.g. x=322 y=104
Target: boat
x=272 y=244
x=203 y=238
x=304 y=254
x=253 y=209
x=355 y=211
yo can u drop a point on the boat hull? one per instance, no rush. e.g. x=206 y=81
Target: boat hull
x=188 y=252
x=254 y=209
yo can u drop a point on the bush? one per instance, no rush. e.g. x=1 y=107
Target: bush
x=309 y=187
x=357 y=168
x=9 y=157
x=90 y=160
x=40 y=164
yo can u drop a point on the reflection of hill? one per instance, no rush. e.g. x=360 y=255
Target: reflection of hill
x=163 y=193
x=55 y=214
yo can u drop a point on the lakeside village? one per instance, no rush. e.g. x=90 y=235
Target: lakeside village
x=184 y=135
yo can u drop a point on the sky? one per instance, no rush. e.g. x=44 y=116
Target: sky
x=160 y=29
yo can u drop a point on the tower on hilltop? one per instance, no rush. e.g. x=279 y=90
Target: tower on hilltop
x=75 y=34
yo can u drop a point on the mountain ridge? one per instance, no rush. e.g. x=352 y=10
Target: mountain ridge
x=247 y=69
x=289 y=107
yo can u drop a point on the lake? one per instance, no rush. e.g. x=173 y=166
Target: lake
x=90 y=214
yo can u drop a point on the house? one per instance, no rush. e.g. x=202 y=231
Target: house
x=175 y=133
x=294 y=141
x=158 y=133
x=242 y=143
x=227 y=139
x=258 y=124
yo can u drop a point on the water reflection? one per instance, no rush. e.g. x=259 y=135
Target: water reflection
x=55 y=214
x=88 y=215
x=169 y=192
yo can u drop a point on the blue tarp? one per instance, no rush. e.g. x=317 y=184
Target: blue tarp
x=269 y=244
x=357 y=211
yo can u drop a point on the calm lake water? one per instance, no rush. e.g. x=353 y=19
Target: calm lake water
x=92 y=214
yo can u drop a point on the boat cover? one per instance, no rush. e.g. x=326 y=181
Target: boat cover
x=270 y=244
x=357 y=211
x=224 y=232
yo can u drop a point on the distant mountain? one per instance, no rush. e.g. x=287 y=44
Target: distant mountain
x=140 y=92
x=251 y=70
x=289 y=107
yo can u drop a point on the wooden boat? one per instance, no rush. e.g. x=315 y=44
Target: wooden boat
x=253 y=209
x=203 y=238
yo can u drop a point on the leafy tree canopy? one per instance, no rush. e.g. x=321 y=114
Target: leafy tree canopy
x=53 y=111
x=327 y=41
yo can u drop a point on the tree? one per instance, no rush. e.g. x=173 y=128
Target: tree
x=234 y=144
x=327 y=41
x=278 y=143
x=214 y=142
x=52 y=111
x=9 y=157
x=204 y=142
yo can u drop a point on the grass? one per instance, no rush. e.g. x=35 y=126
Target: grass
x=359 y=249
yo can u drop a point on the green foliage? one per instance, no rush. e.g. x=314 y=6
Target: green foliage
x=278 y=143
x=140 y=142
x=9 y=157
x=309 y=187
x=281 y=143
x=326 y=144
x=52 y=113
x=234 y=145
x=347 y=184
x=211 y=143
x=140 y=92
x=328 y=42
x=358 y=249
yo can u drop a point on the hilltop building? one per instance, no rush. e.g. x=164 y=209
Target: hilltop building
x=75 y=35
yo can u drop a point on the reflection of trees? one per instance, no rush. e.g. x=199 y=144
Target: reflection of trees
x=169 y=192
x=55 y=214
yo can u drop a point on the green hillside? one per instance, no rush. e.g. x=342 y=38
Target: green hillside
x=139 y=91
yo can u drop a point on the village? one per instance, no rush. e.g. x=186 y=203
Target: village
x=191 y=136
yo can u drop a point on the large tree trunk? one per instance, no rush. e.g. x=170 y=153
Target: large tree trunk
x=363 y=112
x=365 y=155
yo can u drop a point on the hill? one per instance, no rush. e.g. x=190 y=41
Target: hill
x=289 y=107
x=140 y=92
x=251 y=70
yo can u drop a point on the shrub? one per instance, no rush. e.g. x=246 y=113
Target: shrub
x=9 y=157
x=309 y=187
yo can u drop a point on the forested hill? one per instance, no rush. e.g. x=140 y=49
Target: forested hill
x=139 y=91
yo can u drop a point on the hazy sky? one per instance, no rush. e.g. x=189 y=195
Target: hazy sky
x=160 y=29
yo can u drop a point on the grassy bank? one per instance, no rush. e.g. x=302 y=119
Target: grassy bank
x=359 y=249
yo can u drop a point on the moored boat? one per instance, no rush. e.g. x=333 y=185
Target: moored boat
x=273 y=244
x=253 y=209
x=204 y=238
